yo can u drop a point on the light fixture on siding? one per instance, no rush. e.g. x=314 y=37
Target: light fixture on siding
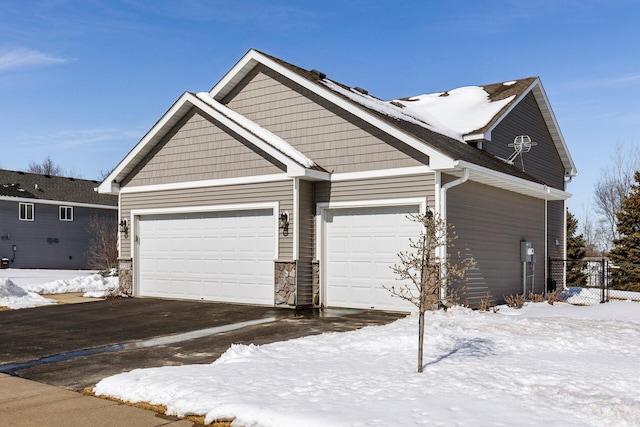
x=284 y=222
x=124 y=227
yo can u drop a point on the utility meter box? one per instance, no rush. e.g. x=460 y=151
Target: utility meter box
x=526 y=251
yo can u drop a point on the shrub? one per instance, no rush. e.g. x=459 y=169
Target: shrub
x=554 y=296
x=515 y=301
x=536 y=297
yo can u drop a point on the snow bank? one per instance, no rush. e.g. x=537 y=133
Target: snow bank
x=93 y=283
x=15 y=297
x=537 y=366
x=20 y=287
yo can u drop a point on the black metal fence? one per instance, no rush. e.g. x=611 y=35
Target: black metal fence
x=593 y=281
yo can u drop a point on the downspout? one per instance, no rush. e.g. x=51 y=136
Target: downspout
x=443 y=215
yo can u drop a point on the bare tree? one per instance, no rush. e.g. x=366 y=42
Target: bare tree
x=613 y=186
x=47 y=167
x=102 y=252
x=593 y=234
x=428 y=276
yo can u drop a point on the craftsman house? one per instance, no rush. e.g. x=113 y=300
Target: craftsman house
x=281 y=186
x=44 y=220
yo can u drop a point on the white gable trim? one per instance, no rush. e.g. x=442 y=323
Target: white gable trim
x=436 y=159
x=111 y=184
x=549 y=118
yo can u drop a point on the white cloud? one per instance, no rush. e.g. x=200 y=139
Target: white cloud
x=26 y=58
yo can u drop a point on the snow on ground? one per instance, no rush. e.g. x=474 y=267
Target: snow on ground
x=540 y=365
x=21 y=288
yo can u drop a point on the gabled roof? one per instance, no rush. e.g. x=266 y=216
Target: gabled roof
x=446 y=148
x=297 y=163
x=47 y=188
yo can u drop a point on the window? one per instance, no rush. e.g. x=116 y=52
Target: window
x=26 y=211
x=66 y=213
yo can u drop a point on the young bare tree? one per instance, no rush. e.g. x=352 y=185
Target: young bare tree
x=102 y=252
x=428 y=277
x=613 y=186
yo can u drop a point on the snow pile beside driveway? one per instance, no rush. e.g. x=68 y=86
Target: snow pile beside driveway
x=15 y=297
x=541 y=365
x=19 y=288
x=94 y=284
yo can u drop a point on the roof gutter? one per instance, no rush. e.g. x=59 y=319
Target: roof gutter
x=443 y=214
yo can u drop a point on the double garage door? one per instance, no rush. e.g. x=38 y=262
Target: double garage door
x=216 y=256
x=361 y=245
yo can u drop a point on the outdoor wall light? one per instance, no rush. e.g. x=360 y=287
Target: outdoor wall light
x=124 y=227
x=284 y=222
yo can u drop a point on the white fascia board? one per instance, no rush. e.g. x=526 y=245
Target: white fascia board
x=476 y=136
x=308 y=174
x=381 y=173
x=512 y=183
x=548 y=114
x=254 y=179
x=437 y=160
x=170 y=118
x=246 y=134
x=57 y=203
x=235 y=74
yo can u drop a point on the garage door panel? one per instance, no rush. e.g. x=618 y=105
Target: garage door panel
x=218 y=256
x=361 y=244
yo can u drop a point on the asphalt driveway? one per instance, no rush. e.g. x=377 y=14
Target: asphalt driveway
x=74 y=346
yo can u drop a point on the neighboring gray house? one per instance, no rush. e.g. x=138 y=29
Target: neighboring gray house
x=44 y=220
x=282 y=187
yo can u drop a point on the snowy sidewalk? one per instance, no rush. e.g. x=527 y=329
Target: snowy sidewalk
x=28 y=403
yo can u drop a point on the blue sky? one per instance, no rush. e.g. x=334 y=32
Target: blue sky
x=82 y=81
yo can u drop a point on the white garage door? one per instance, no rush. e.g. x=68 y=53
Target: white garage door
x=360 y=246
x=220 y=256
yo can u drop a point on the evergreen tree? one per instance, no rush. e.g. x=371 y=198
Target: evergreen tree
x=576 y=251
x=625 y=255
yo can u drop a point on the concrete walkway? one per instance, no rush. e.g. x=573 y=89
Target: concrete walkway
x=28 y=403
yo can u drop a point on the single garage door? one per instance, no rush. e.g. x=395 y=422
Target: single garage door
x=361 y=245
x=218 y=256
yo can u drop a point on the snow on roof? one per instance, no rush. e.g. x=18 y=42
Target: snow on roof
x=464 y=109
x=453 y=113
x=262 y=133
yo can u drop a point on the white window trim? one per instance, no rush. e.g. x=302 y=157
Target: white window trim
x=33 y=211
x=68 y=209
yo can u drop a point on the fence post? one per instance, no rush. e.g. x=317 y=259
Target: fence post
x=602 y=278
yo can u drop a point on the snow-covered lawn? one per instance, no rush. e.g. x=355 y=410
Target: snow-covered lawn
x=538 y=366
x=22 y=288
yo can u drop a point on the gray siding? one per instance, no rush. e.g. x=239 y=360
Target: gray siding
x=281 y=191
x=197 y=149
x=306 y=243
x=47 y=242
x=490 y=223
x=543 y=161
x=333 y=138
x=377 y=188
x=556 y=228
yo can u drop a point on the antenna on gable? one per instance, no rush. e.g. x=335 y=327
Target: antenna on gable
x=521 y=144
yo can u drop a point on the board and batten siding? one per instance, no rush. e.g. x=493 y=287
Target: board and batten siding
x=543 y=161
x=306 y=242
x=489 y=224
x=335 y=139
x=280 y=191
x=556 y=228
x=200 y=148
